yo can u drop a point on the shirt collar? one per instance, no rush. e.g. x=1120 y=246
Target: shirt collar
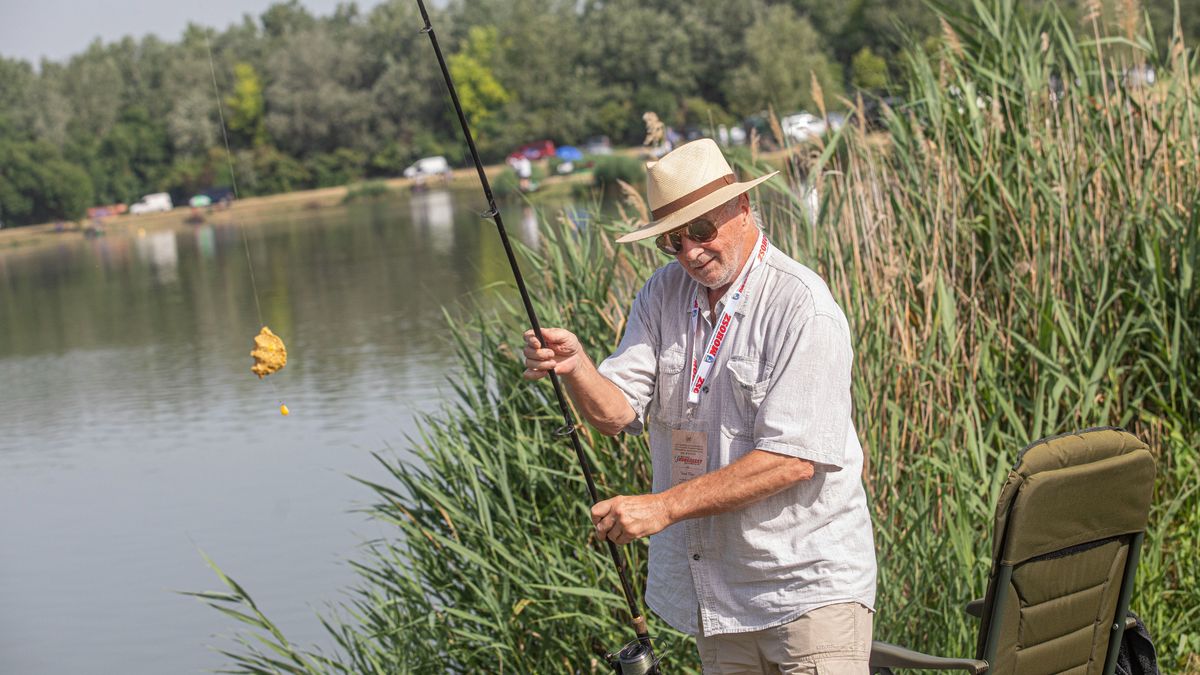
x=747 y=294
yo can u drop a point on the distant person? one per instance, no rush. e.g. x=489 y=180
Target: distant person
x=738 y=361
x=524 y=169
x=656 y=135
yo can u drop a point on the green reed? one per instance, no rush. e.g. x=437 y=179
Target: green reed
x=1017 y=260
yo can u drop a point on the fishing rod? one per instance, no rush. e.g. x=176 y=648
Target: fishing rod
x=637 y=657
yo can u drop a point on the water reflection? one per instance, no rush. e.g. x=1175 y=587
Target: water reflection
x=114 y=253
x=206 y=241
x=433 y=214
x=529 y=227
x=159 y=250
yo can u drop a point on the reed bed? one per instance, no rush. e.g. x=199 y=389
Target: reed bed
x=1018 y=260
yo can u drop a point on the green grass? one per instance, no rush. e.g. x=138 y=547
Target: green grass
x=608 y=169
x=1014 y=265
x=372 y=189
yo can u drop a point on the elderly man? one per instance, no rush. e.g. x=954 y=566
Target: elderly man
x=737 y=359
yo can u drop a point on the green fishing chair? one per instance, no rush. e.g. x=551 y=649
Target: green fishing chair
x=1068 y=527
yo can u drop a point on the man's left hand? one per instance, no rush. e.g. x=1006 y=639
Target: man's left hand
x=625 y=518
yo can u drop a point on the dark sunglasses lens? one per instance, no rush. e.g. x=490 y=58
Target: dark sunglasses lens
x=701 y=231
x=669 y=243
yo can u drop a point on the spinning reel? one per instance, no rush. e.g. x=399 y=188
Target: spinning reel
x=635 y=658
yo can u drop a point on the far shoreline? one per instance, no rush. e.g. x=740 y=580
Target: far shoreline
x=256 y=210
x=248 y=210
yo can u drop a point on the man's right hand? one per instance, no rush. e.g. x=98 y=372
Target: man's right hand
x=598 y=400
x=562 y=353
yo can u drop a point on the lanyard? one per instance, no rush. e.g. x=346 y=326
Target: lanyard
x=723 y=329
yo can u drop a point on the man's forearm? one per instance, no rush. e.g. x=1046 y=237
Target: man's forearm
x=598 y=399
x=754 y=477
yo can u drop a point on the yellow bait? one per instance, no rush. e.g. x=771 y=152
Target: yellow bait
x=269 y=353
x=283 y=410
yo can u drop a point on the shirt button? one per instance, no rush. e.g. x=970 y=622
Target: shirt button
x=695 y=556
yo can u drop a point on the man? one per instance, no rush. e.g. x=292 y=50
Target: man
x=737 y=359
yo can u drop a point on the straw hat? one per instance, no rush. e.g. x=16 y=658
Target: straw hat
x=688 y=182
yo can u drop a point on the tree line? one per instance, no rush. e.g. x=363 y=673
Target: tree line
x=312 y=101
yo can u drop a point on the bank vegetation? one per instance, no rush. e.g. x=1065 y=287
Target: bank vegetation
x=1019 y=262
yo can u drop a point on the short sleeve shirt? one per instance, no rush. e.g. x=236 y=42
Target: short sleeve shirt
x=780 y=384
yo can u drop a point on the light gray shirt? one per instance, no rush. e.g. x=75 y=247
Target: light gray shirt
x=781 y=383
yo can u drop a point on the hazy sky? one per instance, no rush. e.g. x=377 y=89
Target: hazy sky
x=56 y=29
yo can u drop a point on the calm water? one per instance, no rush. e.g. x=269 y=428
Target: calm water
x=133 y=435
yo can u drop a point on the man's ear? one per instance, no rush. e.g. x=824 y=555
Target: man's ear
x=744 y=205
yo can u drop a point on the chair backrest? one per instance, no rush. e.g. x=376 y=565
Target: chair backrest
x=1069 y=522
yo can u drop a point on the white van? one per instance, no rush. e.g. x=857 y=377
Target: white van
x=152 y=203
x=427 y=167
x=802 y=127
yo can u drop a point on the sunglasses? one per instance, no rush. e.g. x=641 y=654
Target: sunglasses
x=700 y=231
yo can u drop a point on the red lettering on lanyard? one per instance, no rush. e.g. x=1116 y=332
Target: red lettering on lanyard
x=720 y=337
x=722 y=328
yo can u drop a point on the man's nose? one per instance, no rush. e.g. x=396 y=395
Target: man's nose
x=689 y=249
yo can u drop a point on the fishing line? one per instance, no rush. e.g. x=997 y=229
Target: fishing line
x=283 y=409
x=637 y=656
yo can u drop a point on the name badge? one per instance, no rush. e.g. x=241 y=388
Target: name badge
x=689 y=455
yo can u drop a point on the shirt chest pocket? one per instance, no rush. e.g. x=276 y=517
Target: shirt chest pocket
x=748 y=380
x=670 y=387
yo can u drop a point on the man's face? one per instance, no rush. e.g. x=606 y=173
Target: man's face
x=716 y=263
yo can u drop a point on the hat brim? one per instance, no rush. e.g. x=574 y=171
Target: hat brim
x=692 y=211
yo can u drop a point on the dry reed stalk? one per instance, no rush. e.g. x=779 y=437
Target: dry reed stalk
x=1131 y=15
x=776 y=130
x=633 y=197
x=1094 y=14
x=818 y=95
x=951 y=38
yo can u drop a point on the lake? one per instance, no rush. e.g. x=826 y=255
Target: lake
x=134 y=436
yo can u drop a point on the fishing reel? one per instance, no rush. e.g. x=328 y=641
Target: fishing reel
x=635 y=658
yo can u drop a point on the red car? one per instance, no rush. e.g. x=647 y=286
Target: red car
x=534 y=151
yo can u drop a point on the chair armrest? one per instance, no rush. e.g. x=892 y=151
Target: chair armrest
x=885 y=655
x=974 y=608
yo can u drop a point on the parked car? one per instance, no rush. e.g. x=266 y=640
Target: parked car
x=873 y=109
x=801 y=127
x=534 y=151
x=106 y=210
x=1140 y=76
x=152 y=203
x=758 y=123
x=218 y=197
x=429 y=167
x=597 y=145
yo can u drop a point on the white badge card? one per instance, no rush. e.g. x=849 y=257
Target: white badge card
x=689 y=455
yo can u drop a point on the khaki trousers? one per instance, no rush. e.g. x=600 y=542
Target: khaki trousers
x=832 y=640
